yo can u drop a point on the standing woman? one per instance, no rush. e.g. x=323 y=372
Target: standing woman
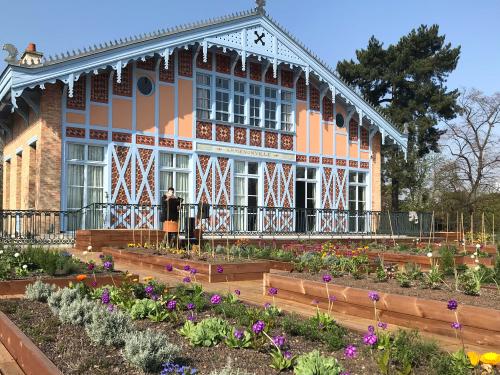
x=170 y=215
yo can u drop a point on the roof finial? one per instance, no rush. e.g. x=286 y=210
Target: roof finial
x=260 y=6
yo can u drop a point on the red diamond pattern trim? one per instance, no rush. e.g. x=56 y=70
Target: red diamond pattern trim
x=327 y=160
x=222 y=133
x=255 y=138
x=144 y=140
x=314 y=98
x=204 y=65
x=204 y=130
x=313 y=159
x=223 y=63
x=169 y=74
x=301 y=92
x=301 y=158
x=122 y=137
x=287 y=78
x=238 y=70
x=149 y=64
x=270 y=76
x=353 y=163
x=240 y=136
x=341 y=162
x=99 y=88
x=365 y=165
x=286 y=142
x=185 y=145
x=166 y=142
x=185 y=63
x=78 y=99
x=75 y=132
x=255 y=71
x=101 y=135
x=125 y=87
x=271 y=140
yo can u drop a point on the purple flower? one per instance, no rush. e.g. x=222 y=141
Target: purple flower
x=238 y=334
x=186 y=280
x=351 y=351
x=101 y=256
x=187 y=267
x=374 y=296
x=258 y=327
x=371 y=329
x=327 y=278
x=191 y=318
x=332 y=298
x=279 y=341
x=370 y=339
x=220 y=269
x=105 y=296
x=382 y=325
x=456 y=325
x=154 y=297
x=273 y=291
x=149 y=289
x=193 y=271
x=107 y=265
x=171 y=305
x=169 y=267
x=315 y=302
x=237 y=292
x=287 y=355
x=267 y=305
x=190 y=306
x=93 y=283
x=452 y=304
x=111 y=307
x=90 y=266
x=215 y=300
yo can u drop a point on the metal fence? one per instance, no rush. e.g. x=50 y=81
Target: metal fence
x=59 y=227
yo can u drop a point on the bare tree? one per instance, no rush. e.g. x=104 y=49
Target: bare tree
x=474 y=146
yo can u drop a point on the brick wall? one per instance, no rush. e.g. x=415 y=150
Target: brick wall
x=376 y=173
x=50 y=142
x=32 y=179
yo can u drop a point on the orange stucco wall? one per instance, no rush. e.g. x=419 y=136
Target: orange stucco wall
x=185 y=110
x=167 y=110
x=328 y=130
x=98 y=115
x=75 y=118
x=376 y=167
x=301 y=125
x=122 y=113
x=314 y=133
x=145 y=111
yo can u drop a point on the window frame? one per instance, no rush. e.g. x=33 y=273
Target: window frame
x=175 y=170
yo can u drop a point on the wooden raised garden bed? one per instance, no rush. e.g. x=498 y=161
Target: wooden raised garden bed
x=205 y=270
x=481 y=326
x=17 y=287
x=31 y=359
x=99 y=238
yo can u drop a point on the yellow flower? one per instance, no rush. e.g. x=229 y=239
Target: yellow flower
x=130 y=245
x=148 y=278
x=135 y=280
x=473 y=358
x=490 y=358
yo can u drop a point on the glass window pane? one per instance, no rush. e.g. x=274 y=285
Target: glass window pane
x=203 y=79
x=301 y=172
x=222 y=83
x=75 y=197
x=75 y=175
x=252 y=187
x=311 y=188
x=271 y=93
x=182 y=161
x=361 y=178
x=253 y=168
x=286 y=96
x=352 y=193
x=76 y=151
x=96 y=153
x=166 y=160
x=361 y=193
x=182 y=185
x=95 y=176
x=311 y=173
x=239 y=167
x=239 y=86
x=166 y=181
x=254 y=90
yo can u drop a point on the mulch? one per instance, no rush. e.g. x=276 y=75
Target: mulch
x=490 y=297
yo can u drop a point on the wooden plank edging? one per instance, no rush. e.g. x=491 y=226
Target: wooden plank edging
x=28 y=356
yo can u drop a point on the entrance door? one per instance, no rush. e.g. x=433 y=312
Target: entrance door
x=305 y=200
x=245 y=196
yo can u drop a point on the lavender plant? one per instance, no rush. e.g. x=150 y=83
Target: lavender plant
x=39 y=291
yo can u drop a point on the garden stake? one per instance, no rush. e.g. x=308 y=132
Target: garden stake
x=431 y=229
x=483 y=232
x=177 y=239
x=472 y=229
x=199 y=229
x=447 y=227
x=493 y=229
x=392 y=233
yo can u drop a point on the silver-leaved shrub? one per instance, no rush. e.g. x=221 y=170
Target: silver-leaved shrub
x=39 y=291
x=62 y=297
x=228 y=369
x=148 y=349
x=78 y=312
x=108 y=327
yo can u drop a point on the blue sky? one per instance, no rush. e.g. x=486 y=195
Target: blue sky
x=333 y=29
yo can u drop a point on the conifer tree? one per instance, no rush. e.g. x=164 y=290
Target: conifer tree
x=408 y=81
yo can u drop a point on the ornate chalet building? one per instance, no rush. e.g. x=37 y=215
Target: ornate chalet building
x=232 y=111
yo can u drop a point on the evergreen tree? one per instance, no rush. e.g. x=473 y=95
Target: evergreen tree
x=407 y=80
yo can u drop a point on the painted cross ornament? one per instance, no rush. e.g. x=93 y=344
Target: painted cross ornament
x=260 y=5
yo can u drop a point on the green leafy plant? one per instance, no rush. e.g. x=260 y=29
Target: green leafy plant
x=148 y=349
x=208 y=332
x=238 y=339
x=447 y=261
x=142 y=308
x=314 y=363
x=434 y=277
x=472 y=280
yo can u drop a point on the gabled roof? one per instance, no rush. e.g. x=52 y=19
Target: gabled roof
x=250 y=33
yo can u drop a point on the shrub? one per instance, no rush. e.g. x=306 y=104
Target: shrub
x=53 y=262
x=147 y=350
x=79 y=312
x=447 y=260
x=409 y=347
x=142 y=308
x=108 y=328
x=39 y=291
x=314 y=363
x=62 y=297
x=228 y=369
